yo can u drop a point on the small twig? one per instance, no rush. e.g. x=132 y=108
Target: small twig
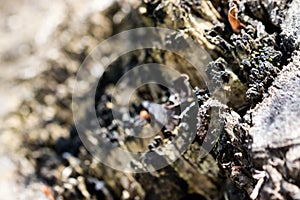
x=260 y=176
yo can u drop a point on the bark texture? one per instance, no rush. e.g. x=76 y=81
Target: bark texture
x=257 y=153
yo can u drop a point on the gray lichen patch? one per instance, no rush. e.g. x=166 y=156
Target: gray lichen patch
x=276 y=119
x=276 y=134
x=291 y=26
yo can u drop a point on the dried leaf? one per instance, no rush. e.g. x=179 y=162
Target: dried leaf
x=235 y=24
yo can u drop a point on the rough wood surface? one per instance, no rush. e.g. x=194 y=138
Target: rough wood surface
x=276 y=135
x=257 y=153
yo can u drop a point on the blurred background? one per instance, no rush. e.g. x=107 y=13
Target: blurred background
x=31 y=32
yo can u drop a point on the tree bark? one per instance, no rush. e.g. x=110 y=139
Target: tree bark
x=257 y=153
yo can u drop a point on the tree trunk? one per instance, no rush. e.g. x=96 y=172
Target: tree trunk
x=255 y=50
